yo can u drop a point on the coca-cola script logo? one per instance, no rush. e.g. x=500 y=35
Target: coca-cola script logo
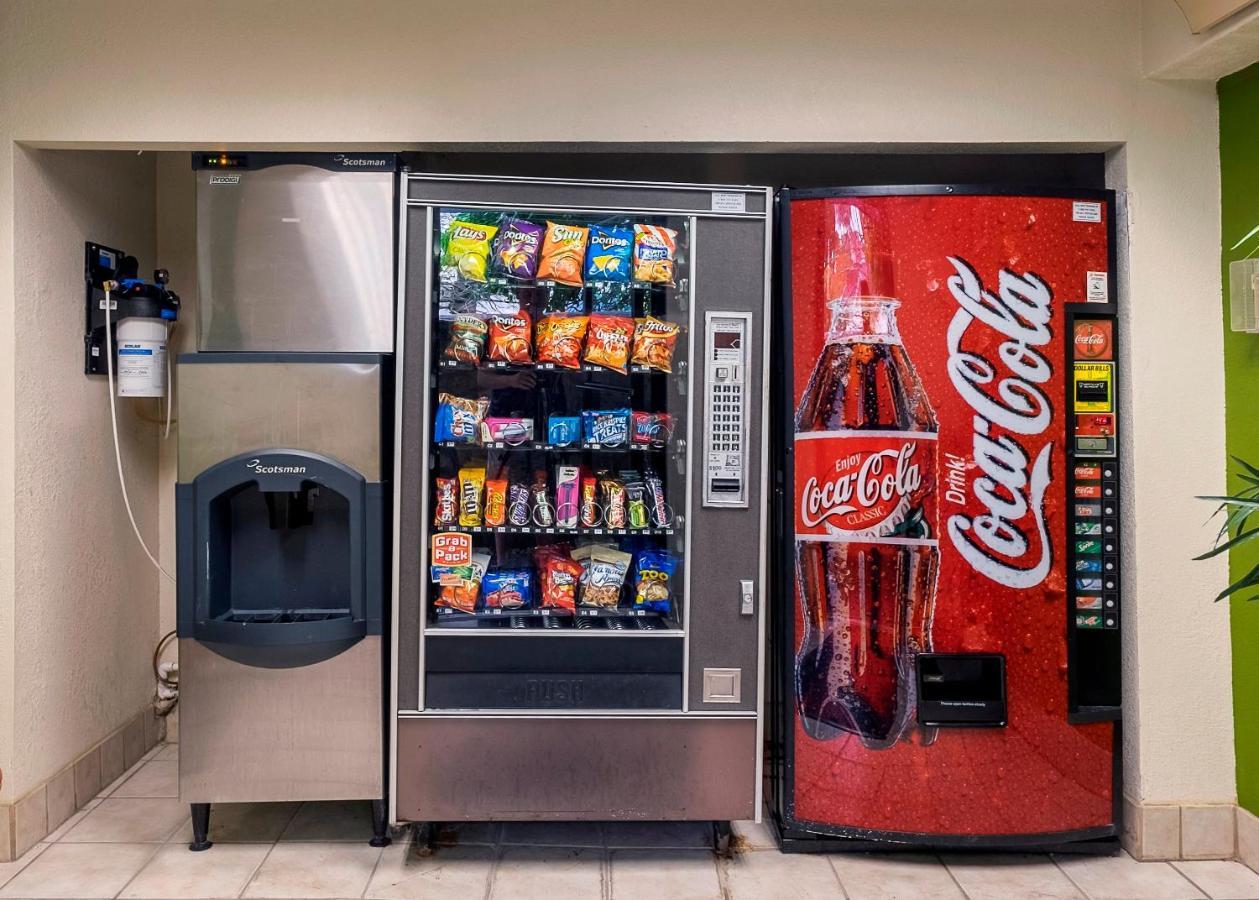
x=866 y=490
x=1010 y=542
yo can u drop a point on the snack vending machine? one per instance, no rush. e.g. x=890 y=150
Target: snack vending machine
x=948 y=603
x=580 y=510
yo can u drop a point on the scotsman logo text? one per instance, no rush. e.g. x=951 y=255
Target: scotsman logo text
x=260 y=469
x=360 y=161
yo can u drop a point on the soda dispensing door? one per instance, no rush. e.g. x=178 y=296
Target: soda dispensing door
x=580 y=550
x=946 y=644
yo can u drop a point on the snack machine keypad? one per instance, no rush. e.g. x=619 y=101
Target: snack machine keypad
x=726 y=338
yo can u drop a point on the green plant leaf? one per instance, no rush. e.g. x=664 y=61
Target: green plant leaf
x=1241 y=538
x=1250 y=579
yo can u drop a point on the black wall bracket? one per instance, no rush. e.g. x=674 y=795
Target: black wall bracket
x=134 y=297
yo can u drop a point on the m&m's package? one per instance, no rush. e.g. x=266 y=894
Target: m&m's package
x=559 y=340
x=654 y=340
x=608 y=341
x=459 y=419
x=508 y=589
x=516 y=249
x=606 y=426
x=467 y=339
x=654 y=251
x=511 y=338
x=653 y=570
x=563 y=252
x=608 y=256
x=468 y=248
x=471 y=486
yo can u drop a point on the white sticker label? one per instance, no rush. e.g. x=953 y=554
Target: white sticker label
x=729 y=201
x=1096 y=288
x=224 y=179
x=1086 y=211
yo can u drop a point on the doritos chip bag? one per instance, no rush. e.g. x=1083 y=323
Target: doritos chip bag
x=654 y=249
x=516 y=249
x=563 y=253
x=608 y=257
x=510 y=338
x=468 y=248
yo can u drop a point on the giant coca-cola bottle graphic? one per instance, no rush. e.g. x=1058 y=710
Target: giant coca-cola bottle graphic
x=865 y=487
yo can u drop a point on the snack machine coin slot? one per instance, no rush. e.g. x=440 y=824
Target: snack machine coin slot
x=725 y=406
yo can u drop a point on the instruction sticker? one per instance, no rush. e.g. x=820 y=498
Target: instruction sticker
x=1086 y=211
x=729 y=201
x=1093 y=382
x=1096 y=287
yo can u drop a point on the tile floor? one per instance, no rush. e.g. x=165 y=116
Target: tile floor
x=131 y=842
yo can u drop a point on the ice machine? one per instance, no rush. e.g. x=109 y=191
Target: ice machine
x=285 y=424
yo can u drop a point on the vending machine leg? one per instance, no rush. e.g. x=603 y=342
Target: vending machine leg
x=200 y=827
x=721 y=838
x=380 y=824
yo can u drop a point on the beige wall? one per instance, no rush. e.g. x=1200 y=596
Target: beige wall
x=814 y=72
x=85 y=597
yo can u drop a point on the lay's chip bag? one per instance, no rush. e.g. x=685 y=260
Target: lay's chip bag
x=608 y=256
x=654 y=251
x=563 y=252
x=468 y=248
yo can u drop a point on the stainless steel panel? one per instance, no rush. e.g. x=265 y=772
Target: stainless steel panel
x=295 y=257
x=452 y=769
x=253 y=735
x=231 y=408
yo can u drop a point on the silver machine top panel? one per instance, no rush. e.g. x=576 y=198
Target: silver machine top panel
x=295 y=258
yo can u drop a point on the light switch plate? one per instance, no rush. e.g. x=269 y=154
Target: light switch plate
x=723 y=685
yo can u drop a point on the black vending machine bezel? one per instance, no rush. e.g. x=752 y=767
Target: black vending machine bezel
x=796 y=835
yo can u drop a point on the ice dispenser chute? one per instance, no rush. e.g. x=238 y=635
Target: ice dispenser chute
x=284 y=557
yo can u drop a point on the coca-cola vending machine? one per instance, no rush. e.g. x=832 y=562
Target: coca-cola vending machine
x=947 y=659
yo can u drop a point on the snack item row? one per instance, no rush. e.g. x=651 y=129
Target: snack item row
x=611 y=341
x=464 y=420
x=561 y=578
x=624 y=499
x=517 y=248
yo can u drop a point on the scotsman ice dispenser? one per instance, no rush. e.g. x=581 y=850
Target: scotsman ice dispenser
x=580 y=546
x=282 y=496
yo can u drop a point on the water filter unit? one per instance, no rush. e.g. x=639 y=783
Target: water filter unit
x=132 y=316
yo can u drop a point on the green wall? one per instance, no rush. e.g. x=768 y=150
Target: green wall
x=1239 y=175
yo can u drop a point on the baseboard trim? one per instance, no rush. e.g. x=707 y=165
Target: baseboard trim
x=29 y=819
x=1154 y=831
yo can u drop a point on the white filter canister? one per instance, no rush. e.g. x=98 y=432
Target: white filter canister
x=141 y=352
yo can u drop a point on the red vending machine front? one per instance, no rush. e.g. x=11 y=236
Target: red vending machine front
x=948 y=628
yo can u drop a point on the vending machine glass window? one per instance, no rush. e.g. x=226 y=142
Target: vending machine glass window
x=557 y=491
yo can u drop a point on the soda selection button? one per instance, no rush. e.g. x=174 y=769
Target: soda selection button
x=1089 y=564
x=1112 y=622
x=1088 y=620
x=1088 y=547
x=1108 y=528
x=1088 y=601
x=1108 y=472
x=1110 y=584
x=1108 y=509
x=1112 y=601
x=1088 y=491
x=1088 y=510
x=1108 y=546
x=1088 y=584
x=1087 y=529
x=1088 y=473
